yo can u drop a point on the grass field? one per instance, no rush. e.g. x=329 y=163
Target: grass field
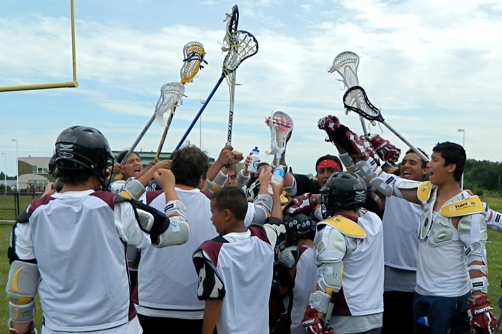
x=494 y=249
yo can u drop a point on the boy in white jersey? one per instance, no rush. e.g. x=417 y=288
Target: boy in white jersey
x=348 y=242
x=73 y=242
x=451 y=265
x=235 y=269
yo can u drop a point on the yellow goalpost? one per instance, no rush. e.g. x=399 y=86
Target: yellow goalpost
x=69 y=84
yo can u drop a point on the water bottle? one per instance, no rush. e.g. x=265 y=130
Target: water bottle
x=255 y=159
x=423 y=321
x=278 y=174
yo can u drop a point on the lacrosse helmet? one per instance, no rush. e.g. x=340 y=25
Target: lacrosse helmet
x=299 y=226
x=343 y=190
x=83 y=148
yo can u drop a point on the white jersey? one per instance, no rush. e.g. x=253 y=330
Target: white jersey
x=360 y=301
x=305 y=282
x=77 y=239
x=167 y=281
x=238 y=268
x=400 y=220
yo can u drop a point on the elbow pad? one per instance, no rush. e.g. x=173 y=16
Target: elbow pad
x=22 y=287
x=133 y=189
x=375 y=177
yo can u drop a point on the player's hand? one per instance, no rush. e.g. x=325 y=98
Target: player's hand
x=312 y=324
x=164 y=178
x=385 y=150
x=301 y=203
x=226 y=155
x=265 y=175
x=481 y=317
x=50 y=189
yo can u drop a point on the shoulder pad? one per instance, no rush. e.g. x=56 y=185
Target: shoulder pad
x=345 y=226
x=464 y=207
x=424 y=191
x=120 y=199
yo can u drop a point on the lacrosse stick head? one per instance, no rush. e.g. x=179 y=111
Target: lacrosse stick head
x=193 y=57
x=232 y=20
x=170 y=96
x=281 y=125
x=356 y=100
x=243 y=46
x=346 y=64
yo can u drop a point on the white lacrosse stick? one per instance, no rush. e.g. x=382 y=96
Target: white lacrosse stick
x=356 y=100
x=346 y=64
x=170 y=94
x=281 y=125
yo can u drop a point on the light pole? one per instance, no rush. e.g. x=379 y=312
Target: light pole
x=5 y=172
x=17 y=165
x=463 y=145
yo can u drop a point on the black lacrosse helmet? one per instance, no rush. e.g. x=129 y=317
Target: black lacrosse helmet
x=343 y=190
x=299 y=226
x=84 y=148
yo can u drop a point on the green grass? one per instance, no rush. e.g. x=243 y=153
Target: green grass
x=7 y=211
x=493 y=246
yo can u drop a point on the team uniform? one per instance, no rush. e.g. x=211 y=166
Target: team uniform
x=440 y=240
x=359 y=304
x=78 y=295
x=400 y=220
x=238 y=268
x=167 y=282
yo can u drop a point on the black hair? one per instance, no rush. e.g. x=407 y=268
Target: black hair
x=122 y=155
x=188 y=164
x=232 y=199
x=73 y=177
x=452 y=153
x=424 y=162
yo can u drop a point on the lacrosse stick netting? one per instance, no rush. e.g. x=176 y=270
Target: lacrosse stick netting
x=281 y=125
x=356 y=100
x=170 y=96
x=246 y=47
x=232 y=20
x=193 y=53
x=346 y=64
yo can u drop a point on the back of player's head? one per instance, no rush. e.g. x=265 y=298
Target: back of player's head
x=299 y=226
x=343 y=190
x=329 y=161
x=188 y=164
x=232 y=199
x=81 y=152
x=424 y=163
x=452 y=153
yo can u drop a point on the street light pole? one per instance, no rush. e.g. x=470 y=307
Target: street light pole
x=17 y=164
x=5 y=173
x=463 y=145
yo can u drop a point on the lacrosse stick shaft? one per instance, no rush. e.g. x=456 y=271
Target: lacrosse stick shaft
x=327 y=316
x=200 y=112
x=164 y=134
x=365 y=130
x=150 y=121
x=420 y=154
x=231 y=108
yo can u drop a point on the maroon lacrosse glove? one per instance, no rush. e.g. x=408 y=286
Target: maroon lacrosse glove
x=385 y=150
x=301 y=203
x=312 y=323
x=482 y=319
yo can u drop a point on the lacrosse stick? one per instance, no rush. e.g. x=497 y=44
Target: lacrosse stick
x=281 y=125
x=245 y=47
x=193 y=57
x=355 y=99
x=170 y=94
x=346 y=64
x=229 y=40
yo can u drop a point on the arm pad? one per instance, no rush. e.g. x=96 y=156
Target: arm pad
x=133 y=189
x=21 y=288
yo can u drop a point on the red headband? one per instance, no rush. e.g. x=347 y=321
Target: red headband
x=328 y=164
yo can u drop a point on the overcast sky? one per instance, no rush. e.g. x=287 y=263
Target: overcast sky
x=433 y=67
